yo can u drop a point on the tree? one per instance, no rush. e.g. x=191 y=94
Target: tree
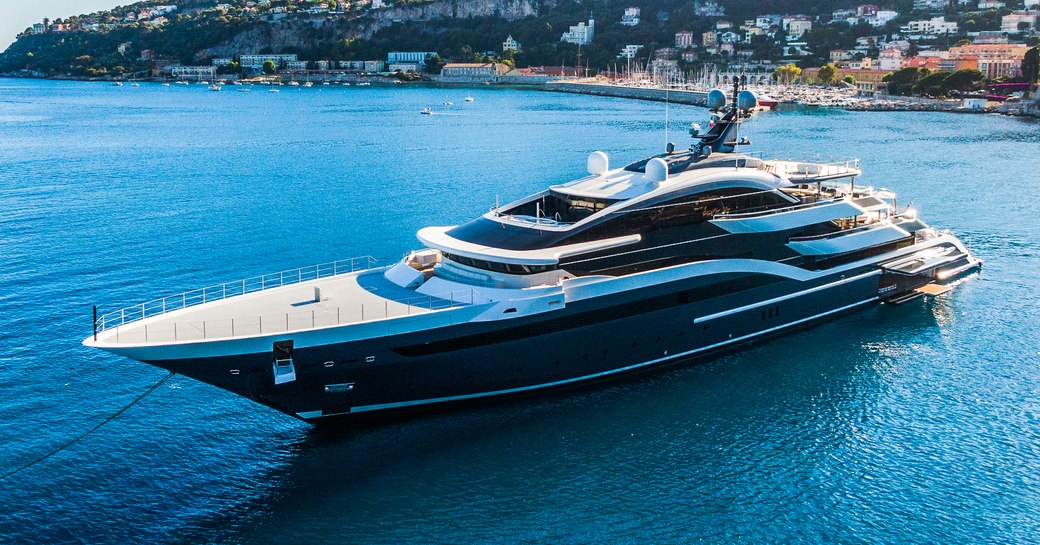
x=932 y=84
x=1031 y=67
x=849 y=79
x=434 y=63
x=828 y=73
x=269 y=67
x=964 y=80
x=787 y=73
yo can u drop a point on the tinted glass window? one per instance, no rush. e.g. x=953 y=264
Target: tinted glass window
x=498 y=267
x=508 y=237
x=560 y=208
x=687 y=210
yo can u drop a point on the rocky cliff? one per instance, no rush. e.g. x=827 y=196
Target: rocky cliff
x=300 y=33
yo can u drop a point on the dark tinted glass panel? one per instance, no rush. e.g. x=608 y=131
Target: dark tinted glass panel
x=508 y=237
x=498 y=267
x=560 y=208
x=691 y=209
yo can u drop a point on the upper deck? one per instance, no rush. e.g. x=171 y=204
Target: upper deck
x=305 y=299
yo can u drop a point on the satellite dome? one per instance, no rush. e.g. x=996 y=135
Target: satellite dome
x=598 y=163
x=716 y=99
x=656 y=170
x=746 y=100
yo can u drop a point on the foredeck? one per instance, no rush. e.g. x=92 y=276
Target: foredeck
x=344 y=299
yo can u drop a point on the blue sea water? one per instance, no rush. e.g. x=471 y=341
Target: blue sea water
x=918 y=423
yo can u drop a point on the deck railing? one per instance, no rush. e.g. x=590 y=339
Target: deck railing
x=301 y=320
x=229 y=289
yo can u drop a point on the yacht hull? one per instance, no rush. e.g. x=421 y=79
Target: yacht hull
x=590 y=340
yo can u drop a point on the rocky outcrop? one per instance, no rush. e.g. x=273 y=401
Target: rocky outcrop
x=302 y=31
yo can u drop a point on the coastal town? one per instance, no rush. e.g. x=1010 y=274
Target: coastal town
x=975 y=53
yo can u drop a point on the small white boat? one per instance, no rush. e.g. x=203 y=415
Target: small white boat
x=469 y=99
x=243 y=89
x=426 y=111
x=183 y=83
x=203 y=83
x=449 y=103
x=273 y=91
x=135 y=85
x=118 y=84
x=308 y=84
x=166 y=85
x=364 y=83
x=294 y=84
x=215 y=87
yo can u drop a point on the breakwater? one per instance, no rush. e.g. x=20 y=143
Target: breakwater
x=696 y=98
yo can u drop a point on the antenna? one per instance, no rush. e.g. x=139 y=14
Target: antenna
x=666 y=115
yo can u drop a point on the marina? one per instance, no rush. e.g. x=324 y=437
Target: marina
x=907 y=422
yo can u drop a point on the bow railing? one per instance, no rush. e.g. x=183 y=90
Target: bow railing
x=209 y=294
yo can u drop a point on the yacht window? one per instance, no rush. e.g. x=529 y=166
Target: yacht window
x=494 y=266
x=690 y=209
x=560 y=208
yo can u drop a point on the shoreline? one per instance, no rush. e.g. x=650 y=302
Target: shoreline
x=1028 y=108
x=861 y=104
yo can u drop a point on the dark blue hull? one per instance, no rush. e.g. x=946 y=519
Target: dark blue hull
x=590 y=340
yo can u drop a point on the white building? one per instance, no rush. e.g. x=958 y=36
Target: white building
x=510 y=44
x=993 y=4
x=882 y=17
x=580 y=34
x=890 y=60
x=321 y=65
x=403 y=66
x=221 y=61
x=797 y=26
x=474 y=70
x=631 y=17
x=630 y=51
x=38 y=28
x=418 y=57
x=193 y=72
x=930 y=5
x=256 y=62
x=1013 y=21
x=932 y=27
x=374 y=66
x=296 y=65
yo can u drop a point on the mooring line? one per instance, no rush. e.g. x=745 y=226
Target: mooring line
x=90 y=431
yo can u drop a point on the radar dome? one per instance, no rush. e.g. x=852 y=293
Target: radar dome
x=598 y=163
x=656 y=170
x=716 y=99
x=746 y=100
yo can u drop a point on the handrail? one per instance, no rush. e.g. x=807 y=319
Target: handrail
x=285 y=322
x=208 y=294
x=843 y=232
x=773 y=211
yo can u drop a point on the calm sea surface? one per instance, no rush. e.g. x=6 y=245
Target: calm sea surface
x=917 y=423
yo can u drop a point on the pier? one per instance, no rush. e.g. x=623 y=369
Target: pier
x=660 y=94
